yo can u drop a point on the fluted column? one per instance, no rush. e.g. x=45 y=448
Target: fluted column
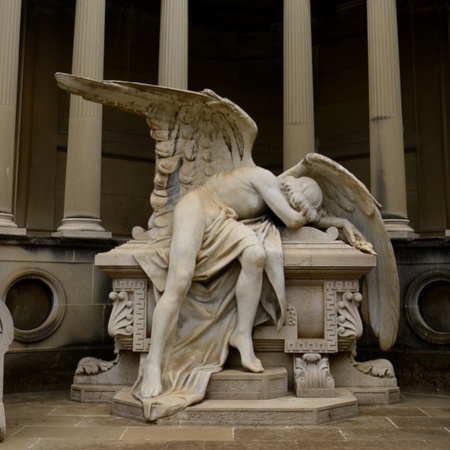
x=173 y=47
x=84 y=148
x=9 y=67
x=298 y=131
x=387 y=160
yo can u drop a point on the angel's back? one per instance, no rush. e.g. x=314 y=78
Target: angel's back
x=240 y=189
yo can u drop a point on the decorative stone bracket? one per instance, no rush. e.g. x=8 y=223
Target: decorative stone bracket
x=312 y=376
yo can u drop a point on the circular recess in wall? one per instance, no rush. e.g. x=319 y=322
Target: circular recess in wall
x=37 y=304
x=428 y=306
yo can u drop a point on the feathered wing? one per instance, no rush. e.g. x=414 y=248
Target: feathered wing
x=197 y=134
x=345 y=196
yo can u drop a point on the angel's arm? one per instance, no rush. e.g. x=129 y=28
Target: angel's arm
x=352 y=234
x=295 y=171
x=342 y=224
x=267 y=186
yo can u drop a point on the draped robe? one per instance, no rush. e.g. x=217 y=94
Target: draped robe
x=198 y=346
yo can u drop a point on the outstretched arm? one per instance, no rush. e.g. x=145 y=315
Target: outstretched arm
x=352 y=234
x=342 y=224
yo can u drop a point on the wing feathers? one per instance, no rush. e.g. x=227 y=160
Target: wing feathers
x=197 y=134
x=345 y=196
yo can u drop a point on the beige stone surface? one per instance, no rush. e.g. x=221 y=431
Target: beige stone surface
x=240 y=384
x=34 y=421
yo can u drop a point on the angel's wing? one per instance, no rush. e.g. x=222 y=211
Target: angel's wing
x=345 y=196
x=197 y=134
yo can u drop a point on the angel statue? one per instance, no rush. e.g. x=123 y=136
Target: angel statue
x=213 y=251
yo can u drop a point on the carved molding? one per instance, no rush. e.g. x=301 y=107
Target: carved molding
x=128 y=299
x=291 y=316
x=348 y=319
x=94 y=366
x=333 y=290
x=379 y=368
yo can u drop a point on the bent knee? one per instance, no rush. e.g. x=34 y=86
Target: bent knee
x=254 y=256
x=178 y=281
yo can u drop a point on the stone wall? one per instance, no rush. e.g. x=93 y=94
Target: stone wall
x=55 y=280
x=421 y=355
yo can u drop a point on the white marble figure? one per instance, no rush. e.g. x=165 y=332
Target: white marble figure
x=214 y=254
x=240 y=194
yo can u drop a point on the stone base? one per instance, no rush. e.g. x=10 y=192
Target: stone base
x=229 y=384
x=81 y=234
x=288 y=410
x=316 y=393
x=239 y=384
x=376 y=395
x=10 y=231
x=93 y=393
x=82 y=227
x=399 y=229
x=8 y=226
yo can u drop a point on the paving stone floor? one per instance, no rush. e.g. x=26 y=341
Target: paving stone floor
x=50 y=421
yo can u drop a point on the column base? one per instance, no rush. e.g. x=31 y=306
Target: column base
x=399 y=229
x=8 y=227
x=81 y=227
x=447 y=233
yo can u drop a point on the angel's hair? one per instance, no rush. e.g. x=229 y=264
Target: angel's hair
x=304 y=195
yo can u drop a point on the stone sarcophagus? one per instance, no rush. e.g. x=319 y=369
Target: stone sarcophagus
x=311 y=355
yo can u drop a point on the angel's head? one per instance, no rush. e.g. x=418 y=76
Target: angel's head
x=304 y=195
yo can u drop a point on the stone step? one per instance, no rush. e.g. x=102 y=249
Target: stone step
x=284 y=411
x=240 y=384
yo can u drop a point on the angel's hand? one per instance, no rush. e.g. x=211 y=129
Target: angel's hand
x=347 y=228
x=356 y=239
x=349 y=231
x=311 y=215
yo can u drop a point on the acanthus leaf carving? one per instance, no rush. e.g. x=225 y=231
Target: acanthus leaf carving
x=311 y=371
x=121 y=321
x=348 y=319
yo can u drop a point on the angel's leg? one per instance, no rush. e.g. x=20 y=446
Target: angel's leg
x=188 y=230
x=248 y=294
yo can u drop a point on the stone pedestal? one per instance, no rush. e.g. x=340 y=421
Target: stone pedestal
x=283 y=411
x=243 y=385
x=311 y=354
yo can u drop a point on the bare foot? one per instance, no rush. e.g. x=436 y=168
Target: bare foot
x=151 y=382
x=245 y=347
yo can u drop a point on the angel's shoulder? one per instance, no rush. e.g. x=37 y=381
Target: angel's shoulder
x=260 y=176
x=253 y=171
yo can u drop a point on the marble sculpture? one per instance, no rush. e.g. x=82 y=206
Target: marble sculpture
x=214 y=252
